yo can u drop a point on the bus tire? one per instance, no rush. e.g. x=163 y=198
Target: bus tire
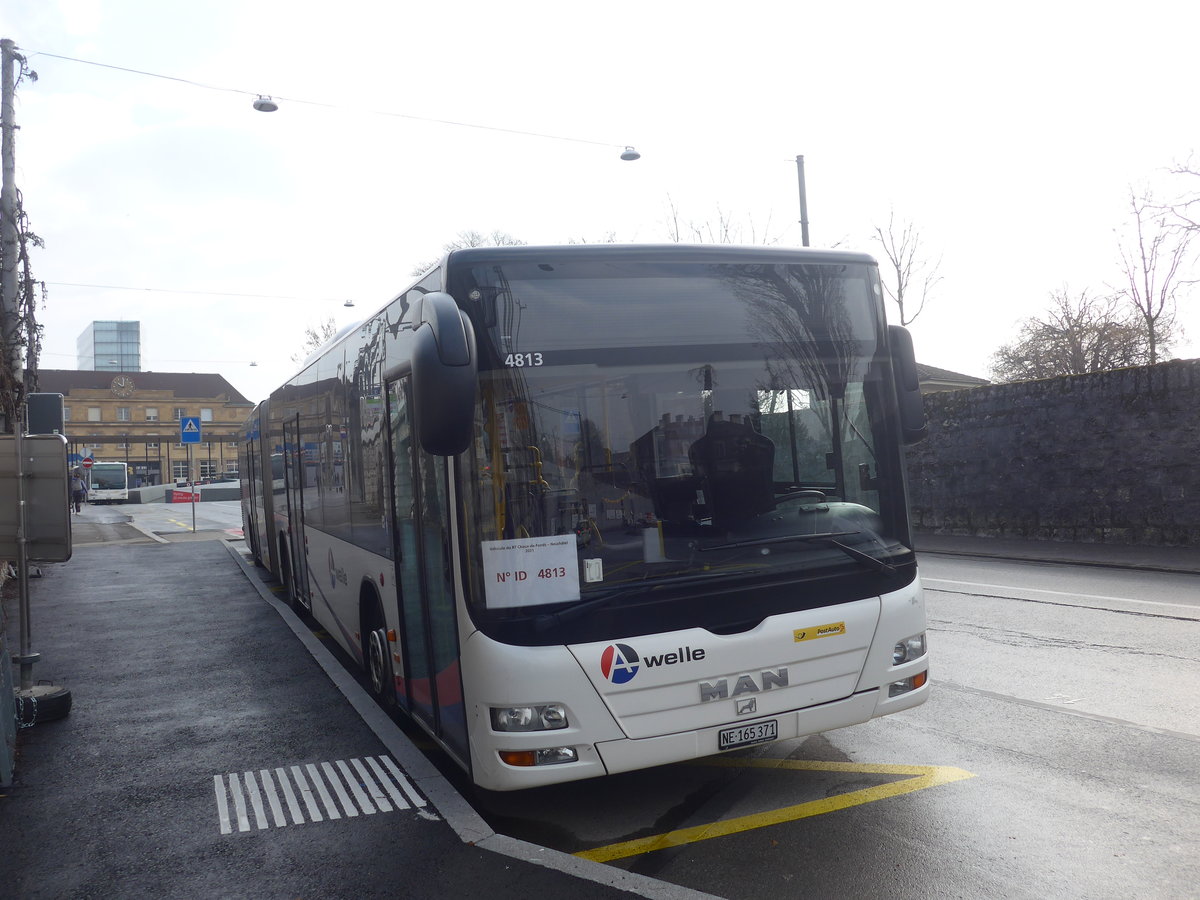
x=377 y=656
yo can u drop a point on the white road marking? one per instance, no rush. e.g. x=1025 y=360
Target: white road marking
x=377 y=794
x=272 y=798
x=930 y=582
x=314 y=812
x=222 y=805
x=239 y=802
x=416 y=799
x=360 y=796
x=260 y=817
x=336 y=784
x=331 y=809
x=292 y=802
x=371 y=782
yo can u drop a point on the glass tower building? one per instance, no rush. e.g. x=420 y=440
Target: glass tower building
x=111 y=347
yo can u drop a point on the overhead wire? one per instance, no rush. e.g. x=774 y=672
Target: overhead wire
x=299 y=100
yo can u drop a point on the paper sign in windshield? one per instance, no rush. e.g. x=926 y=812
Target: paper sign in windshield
x=531 y=571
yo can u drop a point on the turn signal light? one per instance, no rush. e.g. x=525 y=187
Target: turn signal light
x=904 y=686
x=519 y=757
x=547 y=756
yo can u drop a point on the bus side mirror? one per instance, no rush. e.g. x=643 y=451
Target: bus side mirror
x=444 y=368
x=908 y=385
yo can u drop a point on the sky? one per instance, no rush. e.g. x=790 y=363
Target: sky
x=1010 y=135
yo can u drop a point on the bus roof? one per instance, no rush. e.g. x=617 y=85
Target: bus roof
x=699 y=253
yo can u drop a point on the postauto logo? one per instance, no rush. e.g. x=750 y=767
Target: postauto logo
x=619 y=663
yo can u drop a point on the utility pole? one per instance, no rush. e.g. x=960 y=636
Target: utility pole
x=10 y=319
x=40 y=702
x=803 y=202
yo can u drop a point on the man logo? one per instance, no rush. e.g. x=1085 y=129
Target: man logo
x=619 y=663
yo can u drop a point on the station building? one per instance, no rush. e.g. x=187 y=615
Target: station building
x=134 y=417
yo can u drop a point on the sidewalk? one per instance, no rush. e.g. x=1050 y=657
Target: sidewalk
x=195 y=710
x=1121 y=556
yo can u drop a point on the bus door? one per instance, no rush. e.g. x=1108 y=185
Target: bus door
x=293 y=474
x=432 y=689
x=251 y=499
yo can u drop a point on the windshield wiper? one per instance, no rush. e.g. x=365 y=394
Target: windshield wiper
x=830 y=537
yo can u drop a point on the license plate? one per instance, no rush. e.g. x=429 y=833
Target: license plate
x=743 y=735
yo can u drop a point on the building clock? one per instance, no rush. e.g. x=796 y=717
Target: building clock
x=122 y=386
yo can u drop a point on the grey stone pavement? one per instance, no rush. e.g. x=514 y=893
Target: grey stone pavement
x=188 y=689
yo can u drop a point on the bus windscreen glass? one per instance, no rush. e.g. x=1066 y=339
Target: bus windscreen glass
x=650 y=431
x=109 y=477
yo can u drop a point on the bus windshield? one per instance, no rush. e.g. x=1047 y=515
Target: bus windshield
x=109 y=477
x=651 y=432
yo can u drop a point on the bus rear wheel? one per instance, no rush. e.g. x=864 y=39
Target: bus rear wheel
x=377 y=657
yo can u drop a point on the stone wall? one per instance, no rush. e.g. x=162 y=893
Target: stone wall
x=1112 y=457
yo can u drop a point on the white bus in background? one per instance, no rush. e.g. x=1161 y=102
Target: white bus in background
x=108 y=482
x=588 y=509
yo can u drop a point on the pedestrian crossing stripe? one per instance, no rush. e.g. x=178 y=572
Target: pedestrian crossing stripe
x=300 y=794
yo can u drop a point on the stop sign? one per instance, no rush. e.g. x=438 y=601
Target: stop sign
x=87 y=462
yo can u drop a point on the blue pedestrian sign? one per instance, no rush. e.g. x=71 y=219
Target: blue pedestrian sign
x=189 y=430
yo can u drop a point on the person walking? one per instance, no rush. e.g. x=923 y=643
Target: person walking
x=78 y=492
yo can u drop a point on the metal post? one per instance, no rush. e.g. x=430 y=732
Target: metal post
x=27 y=657
x=10 y=325
x=803 y=202
x=192 y=487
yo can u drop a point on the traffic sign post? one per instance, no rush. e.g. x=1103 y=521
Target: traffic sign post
x=190 y=431
x=87 y=462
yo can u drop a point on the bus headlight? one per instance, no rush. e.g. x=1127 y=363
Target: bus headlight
x=546 y=717
x=909 y=649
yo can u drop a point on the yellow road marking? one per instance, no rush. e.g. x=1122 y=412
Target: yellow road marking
x=919 y=778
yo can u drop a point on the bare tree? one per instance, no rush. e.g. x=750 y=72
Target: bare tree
x=910 y=276
x=1078 y=334
x=1186 y=207
x=609 y=237
x=1152 y=256
x=471 y=238
x=315 y=336
x=724 y=229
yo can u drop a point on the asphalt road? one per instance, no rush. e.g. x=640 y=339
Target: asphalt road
x=1057 y=757
x=169 y=519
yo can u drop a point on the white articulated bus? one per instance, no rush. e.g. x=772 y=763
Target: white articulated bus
x=109 y=482
x=582 y=510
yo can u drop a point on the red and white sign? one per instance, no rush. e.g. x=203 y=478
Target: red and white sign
x=185 y=497
x=87 y=462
